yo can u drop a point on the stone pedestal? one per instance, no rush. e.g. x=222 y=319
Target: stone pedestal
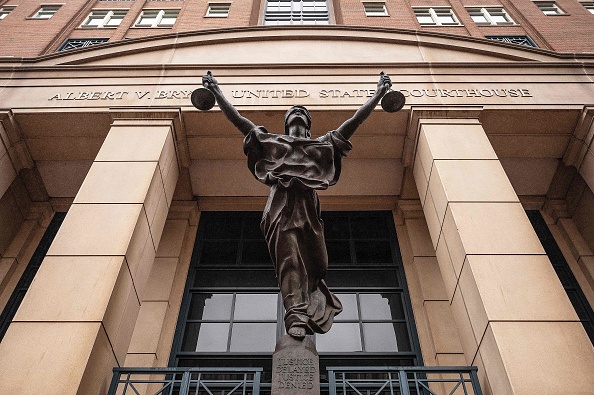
x=295 y=367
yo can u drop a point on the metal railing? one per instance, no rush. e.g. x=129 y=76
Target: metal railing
x=344 y=380
x=185 y=381
x=456 y=380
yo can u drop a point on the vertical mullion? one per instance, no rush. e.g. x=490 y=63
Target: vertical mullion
x=279 y=316
x=231 y=321
x=434 y=16
x=159 y=18
x=360 y=321
x=352 y=242
x=240 y=243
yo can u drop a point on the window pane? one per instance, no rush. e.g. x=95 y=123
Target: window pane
x=336 y=228
x=206 y=337
x=381 y=307
x=223 y=228
x=344 y=337
x=228 y=278
x=212 y=337
x=350 y=310
x=219 y=252
x=402 y=337
x=210 y=307
x=446 y=19
x=95 y=19
x=373 y=252
x=255 y=252
x=148 y=18
x=424 y=17
x=44 y=15
x=498 y=15
x=251 y=228
x=479 y=18
x=190 y=337
x=425 y=20
x=370 y=227
x=253 y=337
x=169 y=18
x=380 y=337
x=115 y=20
x=255 y=307
x=339 y=252
x=362 y=278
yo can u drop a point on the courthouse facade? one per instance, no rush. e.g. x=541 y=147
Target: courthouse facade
x=460 y=234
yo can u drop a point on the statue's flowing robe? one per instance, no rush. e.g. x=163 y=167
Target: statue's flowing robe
x=294 y=168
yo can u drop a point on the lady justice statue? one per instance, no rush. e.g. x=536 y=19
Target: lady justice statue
x=294 y=167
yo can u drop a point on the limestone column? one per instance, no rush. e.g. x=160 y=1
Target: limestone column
x=76 y=320
x=515 y=321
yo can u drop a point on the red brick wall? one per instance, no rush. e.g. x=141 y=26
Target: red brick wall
x=20 y=36
x=572 y=32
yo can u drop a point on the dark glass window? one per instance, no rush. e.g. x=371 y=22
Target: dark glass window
x=23 y=285
x=570 y=284
x=232 y=313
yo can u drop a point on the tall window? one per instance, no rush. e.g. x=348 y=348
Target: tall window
x=232 y=313
x=5 y=10
x=157 y=18
x=436 y=16
x=296 y=12
x=572 y=288
x=26 y=279
x=490 y=16
x=104 y=18
x=46 y=12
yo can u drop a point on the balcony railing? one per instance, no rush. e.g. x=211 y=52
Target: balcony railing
x=416 y=380
x=185 y=381
x=459 y=380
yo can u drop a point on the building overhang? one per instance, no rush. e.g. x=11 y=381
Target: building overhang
x=528 y=100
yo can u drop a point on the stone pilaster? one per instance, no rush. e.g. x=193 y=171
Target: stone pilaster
x=76 y=321
x=515 y=321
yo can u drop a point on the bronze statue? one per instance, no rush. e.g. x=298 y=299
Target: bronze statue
x=294 y=167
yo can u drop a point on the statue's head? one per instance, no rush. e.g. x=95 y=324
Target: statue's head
x=298 y=110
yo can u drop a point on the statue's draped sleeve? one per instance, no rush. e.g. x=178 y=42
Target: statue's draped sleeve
x=294 y=168
x=290 y=161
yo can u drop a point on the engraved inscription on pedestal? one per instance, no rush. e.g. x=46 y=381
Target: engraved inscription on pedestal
x=295 y=367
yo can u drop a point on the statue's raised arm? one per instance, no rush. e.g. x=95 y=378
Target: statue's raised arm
x=243 y=124
x=350 y=126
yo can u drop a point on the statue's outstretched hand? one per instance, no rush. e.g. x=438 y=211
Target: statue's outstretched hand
x=384 y=84
x=209 y=82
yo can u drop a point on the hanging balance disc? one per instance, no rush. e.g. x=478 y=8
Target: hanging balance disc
x=393 y=101
x=203 y=99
